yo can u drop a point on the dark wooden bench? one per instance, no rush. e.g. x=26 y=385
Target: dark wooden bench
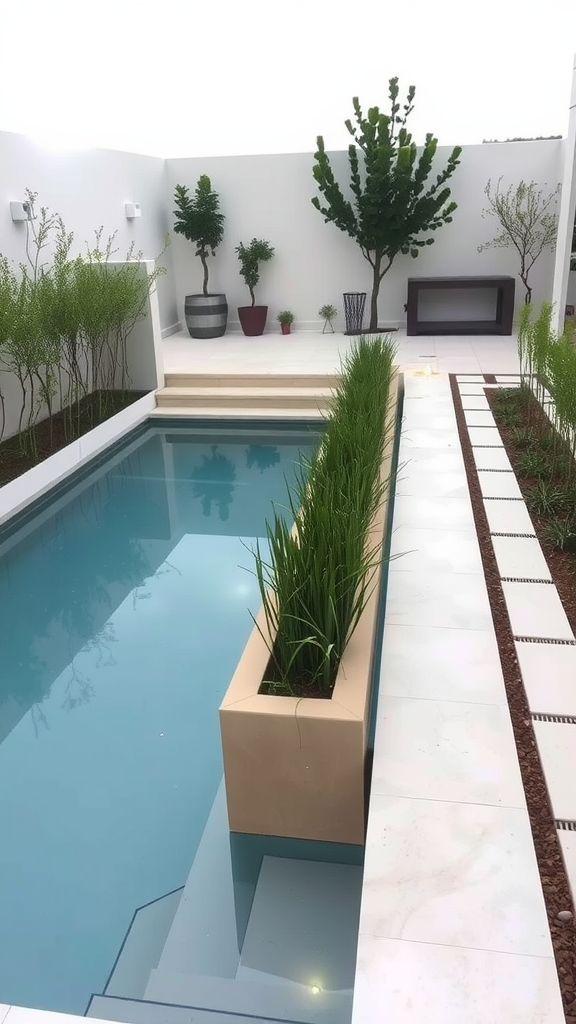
x=502 y=324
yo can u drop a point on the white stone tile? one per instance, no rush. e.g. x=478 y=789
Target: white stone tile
x=479 y=418
x=441 y=664
x=491 y=458
x=428 y=418
x=507 y=378
x=433 y=599
x=429 y=550
x=485 y=436
x=549 y=677
x=557 y=748
x=457 y=874
x=508 y=517
x=4 y=1007
x=535 y=610
x=431 y=473
x=457 y=751
x=498 y=485
x=444 y=513
x=469 y=378
x=568 y=845
x=404 y=982
x=421 y=437
x=25 y=1015
x=520 y=557
x=476 y=403
x=472 y=389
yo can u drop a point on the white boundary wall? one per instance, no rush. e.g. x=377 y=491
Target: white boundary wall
x=269 y=197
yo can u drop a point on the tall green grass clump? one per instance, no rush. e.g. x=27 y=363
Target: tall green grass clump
x=319 y=575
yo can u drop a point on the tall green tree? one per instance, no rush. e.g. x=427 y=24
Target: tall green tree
x=198 y=218
x=393 y=204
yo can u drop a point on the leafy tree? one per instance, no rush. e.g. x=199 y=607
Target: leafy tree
x=392 y=204
x=527 y=221
x=199 y=220
x=251 y=256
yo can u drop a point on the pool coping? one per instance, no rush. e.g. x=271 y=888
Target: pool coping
x=427 y=949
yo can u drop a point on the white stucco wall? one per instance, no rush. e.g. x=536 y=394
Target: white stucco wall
x=89 y=188
x=269 y=197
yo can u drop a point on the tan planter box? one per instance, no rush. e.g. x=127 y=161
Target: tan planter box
x=295 y=766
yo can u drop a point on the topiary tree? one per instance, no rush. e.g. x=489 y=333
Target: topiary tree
x=251 y=256
x=528 y=221
x=199 y=220
x=391 y=206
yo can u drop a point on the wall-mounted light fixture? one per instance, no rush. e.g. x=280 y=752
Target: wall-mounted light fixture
x=22 y=211
x=132 y=210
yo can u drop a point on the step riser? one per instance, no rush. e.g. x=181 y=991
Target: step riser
x=248 y=401
x=238 y=380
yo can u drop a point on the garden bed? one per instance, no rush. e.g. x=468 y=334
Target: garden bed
x=562 y=566
x=53 y=433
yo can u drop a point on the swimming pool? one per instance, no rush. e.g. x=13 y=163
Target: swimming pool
x=123 y=611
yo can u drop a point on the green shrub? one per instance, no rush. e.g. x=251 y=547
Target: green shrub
x=318 y=576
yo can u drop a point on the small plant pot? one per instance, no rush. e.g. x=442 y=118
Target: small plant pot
x=285 y=328
x=252 y=320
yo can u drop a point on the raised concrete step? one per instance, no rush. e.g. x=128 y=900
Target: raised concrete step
x=253 y=397
x=226 y=412
x=250 y=380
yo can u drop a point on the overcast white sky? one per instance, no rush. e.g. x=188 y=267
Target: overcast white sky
x=210 y=77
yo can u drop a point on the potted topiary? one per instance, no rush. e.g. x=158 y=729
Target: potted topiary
x=253 y=318
x=199 y=219
x=285 y=318
x=327 y=314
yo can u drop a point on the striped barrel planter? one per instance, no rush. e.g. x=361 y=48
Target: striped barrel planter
x=206 y=315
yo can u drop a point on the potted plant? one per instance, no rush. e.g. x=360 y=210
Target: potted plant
x=253 y=318
x=198 y=218
x=285 y=318
x=327 y=314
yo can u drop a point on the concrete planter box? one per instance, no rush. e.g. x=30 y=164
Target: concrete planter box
x=295 y=766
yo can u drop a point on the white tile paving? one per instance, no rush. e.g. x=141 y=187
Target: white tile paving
x=476 y=403
x=416 y=549
x=453 y=923
x=478 y=417
x=520 y=558
x=535 y=610
x=485 y=437
x=450 y=985
x=458 y=874
x=508 y=517
x=498 y=485
x=465 y=752
x=549 y=677
x=426 y=662
x=558 y=752
x=491 y=458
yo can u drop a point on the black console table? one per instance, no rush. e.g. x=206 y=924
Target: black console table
x=502 y=324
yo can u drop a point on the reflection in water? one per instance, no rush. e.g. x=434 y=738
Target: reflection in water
x=214 y=482
x=262 y=455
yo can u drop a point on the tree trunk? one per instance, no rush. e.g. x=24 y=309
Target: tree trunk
x=375 y=289
x=205 y=282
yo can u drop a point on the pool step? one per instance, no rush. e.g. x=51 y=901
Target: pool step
x=227 y=412
x=251 y=380
x=134 y=1011
x=244 y=397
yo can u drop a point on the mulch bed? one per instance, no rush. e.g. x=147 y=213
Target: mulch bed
x=555 y=883
x=86 y=415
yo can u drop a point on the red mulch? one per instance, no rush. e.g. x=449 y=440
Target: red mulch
x=555 y=884
x=86 y=415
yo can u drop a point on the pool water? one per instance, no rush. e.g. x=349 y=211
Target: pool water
x=123 y=612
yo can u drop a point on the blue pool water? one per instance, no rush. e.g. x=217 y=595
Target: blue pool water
x=123 y=611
